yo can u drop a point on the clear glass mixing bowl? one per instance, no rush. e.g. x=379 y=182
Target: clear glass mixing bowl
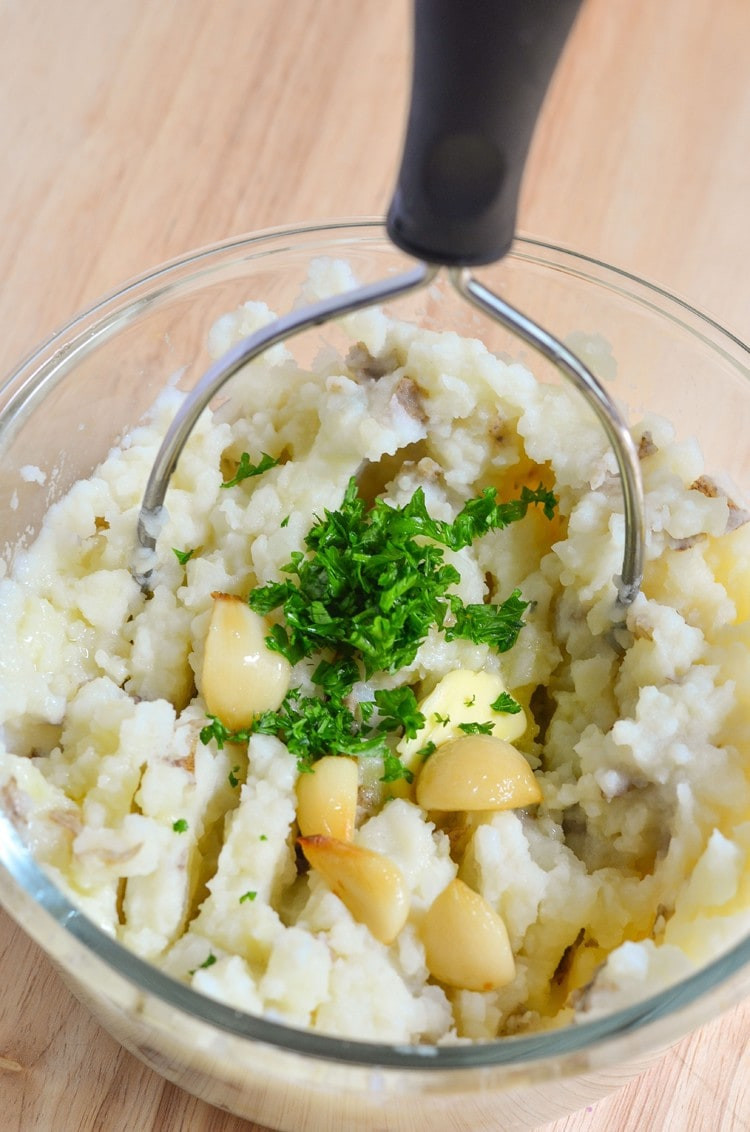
x=63 y=409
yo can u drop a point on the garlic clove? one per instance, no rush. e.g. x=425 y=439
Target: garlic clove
x=476 y=772
x=241 y=676
x=466 y=942
x=327 y=798
x=369 y=884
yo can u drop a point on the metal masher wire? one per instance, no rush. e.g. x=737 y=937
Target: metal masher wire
x=281 y=329
x=612 y=421
x=480 y=71
x=317 y=314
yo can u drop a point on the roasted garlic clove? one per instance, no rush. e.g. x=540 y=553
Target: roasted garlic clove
x=327 y=798
x=466 y=942
x=477 y=772
x=241 y=676
x=371 y=886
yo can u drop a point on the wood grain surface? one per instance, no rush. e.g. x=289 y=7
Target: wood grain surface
x=133 y=130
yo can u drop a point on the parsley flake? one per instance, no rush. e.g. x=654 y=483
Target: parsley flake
x=183 y=556
x=245 y=469
x=207 y=962
x=248 y=896
x=180 y=826
x=477 y=728
x=232 y=776
x=222 y=734
x=507 y=704
x=496 y=625
x=398 y=707
x=394 y=769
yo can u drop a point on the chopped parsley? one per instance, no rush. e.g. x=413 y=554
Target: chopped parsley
x=477 y=728
x=427 y=750
x=496 y=625
x=360 y=600
x=233 y=779
x=394 y=769
x=245 y=469
x=336 y=680
x=398 y=708
x=506 y=703
x=248 y=896
x=221 y=734
x=183 y=556
x=313 y=726
x=180 y=826
x=207 y=962
x=374 y=582
x=470 y=701
x=443 y=720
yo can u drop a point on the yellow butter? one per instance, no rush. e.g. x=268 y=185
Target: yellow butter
x=463 y=696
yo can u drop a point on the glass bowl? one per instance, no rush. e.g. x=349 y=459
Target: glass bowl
x=64 y=408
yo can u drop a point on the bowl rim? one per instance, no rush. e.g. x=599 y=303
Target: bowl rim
x=523 y=245
x=686 y=999
x=505 y=1052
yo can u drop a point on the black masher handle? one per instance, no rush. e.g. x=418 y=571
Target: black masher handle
x=481 y=69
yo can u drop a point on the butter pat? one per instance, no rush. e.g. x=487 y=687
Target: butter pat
x=463 y=696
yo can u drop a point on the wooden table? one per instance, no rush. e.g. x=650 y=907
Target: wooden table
x=133 y=130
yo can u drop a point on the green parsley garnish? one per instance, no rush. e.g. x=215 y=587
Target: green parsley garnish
x=207 y=962
x=367 y=588
x=477 y=728
x=248 y=896
x=337 y=680
x=180 y=826
x=183 y=556
x=398 y=708
x=233 y=779
x=470 y=701
x=245 y=469
x=311 y=727
x=221 y=734
x=496 y=625
x=506 y=703
x=361 y=599
x=427 y=750
x=394 y=769
x=262 y=837
x=443 y=720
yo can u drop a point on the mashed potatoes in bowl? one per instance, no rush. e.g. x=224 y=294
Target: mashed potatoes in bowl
x=377 y=794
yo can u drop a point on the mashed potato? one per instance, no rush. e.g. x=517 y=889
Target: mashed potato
x=633 y=868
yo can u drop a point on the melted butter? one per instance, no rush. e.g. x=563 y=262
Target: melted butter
x=463 y=696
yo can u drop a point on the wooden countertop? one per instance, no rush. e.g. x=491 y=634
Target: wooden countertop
x=131 y=131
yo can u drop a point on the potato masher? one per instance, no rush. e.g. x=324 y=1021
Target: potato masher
x=480 y=72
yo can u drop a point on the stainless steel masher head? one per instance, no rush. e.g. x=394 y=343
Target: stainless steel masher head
x=480 y=72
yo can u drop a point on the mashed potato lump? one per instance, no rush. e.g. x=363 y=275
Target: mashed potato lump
x=623 y=866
